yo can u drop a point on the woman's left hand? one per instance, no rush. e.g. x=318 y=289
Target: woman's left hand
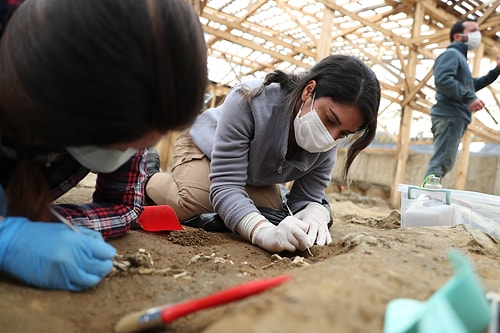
x=317 y=217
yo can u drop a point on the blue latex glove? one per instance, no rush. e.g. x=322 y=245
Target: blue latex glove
x=51 y=256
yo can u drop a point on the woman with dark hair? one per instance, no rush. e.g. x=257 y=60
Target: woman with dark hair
x=87 y=85
x=285 y=128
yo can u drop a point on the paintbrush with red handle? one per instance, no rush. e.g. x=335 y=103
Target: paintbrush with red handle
x=161 y=315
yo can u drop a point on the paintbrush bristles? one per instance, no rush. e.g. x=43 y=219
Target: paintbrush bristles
x=139 y=321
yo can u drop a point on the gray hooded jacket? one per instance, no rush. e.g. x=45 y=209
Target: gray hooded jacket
x=247 y=144
x=455 y=86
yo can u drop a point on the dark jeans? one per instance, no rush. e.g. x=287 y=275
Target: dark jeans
x=447 y=135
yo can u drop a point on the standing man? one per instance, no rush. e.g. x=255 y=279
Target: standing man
x=455 y=95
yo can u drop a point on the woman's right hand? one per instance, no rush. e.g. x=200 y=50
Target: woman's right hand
x=50 y=255
x=290 y=235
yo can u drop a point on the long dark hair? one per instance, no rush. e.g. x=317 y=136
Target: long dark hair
x=346 y=80
x=98 y=72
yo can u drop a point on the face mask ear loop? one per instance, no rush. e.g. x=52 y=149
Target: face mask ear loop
x=300 y=110
x=312 y=103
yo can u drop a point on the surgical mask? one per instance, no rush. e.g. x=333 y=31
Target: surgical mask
x=310 y=132
x=473 y=40
x=101 y=159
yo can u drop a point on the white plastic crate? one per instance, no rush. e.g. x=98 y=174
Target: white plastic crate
x=443 y=207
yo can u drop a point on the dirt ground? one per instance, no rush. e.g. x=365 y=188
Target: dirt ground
x=344 y=287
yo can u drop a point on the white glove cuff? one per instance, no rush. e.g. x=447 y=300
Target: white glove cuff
x=248 y=224
x=315 y=207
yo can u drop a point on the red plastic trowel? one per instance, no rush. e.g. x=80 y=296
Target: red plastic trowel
x=159 y=218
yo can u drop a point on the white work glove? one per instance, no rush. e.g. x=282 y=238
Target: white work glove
x=289 y=235
x=316 y=216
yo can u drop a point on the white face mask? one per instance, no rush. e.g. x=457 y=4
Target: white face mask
x=473 y=40
x=101 y=159
x=310 y=132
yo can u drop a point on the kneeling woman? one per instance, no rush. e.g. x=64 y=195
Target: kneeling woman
x=266 y=133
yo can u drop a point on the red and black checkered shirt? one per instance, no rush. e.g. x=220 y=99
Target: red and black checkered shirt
x=116 y=202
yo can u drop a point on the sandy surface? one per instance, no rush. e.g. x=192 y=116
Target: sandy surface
x=343 y=287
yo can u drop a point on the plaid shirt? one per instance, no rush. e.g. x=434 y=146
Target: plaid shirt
x=116 y=202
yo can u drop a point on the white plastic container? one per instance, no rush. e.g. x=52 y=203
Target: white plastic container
x=426 y=207
x=425 y=212
x=443 y=207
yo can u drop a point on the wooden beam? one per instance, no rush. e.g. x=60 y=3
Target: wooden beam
x=388 y=33
x=486 y=13
x=324 y=43
x=252 y=9
x=248 y=43
x=407 y=116
x=463 y=160
x=250 y=28
x=286 y=8
x=415 y=89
